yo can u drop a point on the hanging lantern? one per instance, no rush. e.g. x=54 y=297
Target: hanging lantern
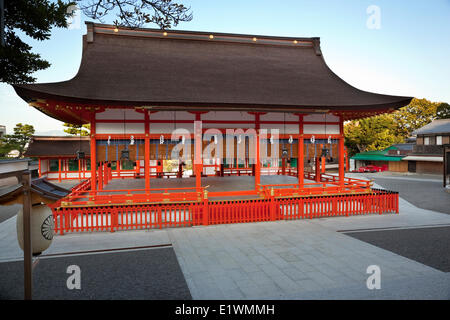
x=80 y=155
x=329 y=139
x=132 y=140
x=215 y=139
x=161 y=139
x=271 y=139
x=183 y=139
x=239 y=139
x=125 y=154
x=313 y=139
x=109 y=140
x=291 y=139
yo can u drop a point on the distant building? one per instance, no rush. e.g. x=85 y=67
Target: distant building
x=427 y=154
x=389 y=158
x=2 y=131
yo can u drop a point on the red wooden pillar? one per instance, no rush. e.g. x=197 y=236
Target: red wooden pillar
x=39 y=169
x=257 y=160
x=341 y=153
x=105 y=173
x=283 y=166
x=147 y=152
x=138 y=166
x=198 y=161
x=59 y=169
x=100 y=176
x=300 y=160
x=257 y=163
x=93 y=154
x=323 y=160
x=317 y=169
x=79 y=169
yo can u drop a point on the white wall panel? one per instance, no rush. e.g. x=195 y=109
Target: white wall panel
x=118 y=128
x=171 y=115
x=228 y=115
x=278 y=116
x=321 y=117
x=118 y=114
x=169 y=127
x=225 y=125
x=320 y=129
x=283 y=129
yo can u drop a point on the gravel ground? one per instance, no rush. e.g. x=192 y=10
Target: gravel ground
x=144 y=274
x=430 y=246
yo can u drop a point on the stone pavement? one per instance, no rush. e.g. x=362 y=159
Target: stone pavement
x=301 y=259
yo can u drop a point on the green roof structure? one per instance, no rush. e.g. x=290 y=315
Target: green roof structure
x=377 y=155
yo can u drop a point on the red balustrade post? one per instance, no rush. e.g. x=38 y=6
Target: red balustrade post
x=205 y=208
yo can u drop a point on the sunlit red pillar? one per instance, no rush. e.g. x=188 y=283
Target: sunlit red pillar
x=198 y=161
x=93 y=154
x=301 y=147
x=341 y=152
x=147 y=152
x=59 y=169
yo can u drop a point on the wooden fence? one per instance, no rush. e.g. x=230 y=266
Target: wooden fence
x=206 y=212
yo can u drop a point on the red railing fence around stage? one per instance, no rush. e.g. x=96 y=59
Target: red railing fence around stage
x=206 y=212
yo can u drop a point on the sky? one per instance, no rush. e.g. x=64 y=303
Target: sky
x=392 y=47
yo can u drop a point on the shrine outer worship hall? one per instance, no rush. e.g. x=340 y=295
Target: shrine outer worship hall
x=197 y=128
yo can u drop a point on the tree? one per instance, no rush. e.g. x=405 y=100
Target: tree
x=75 y=130
x=136 y=13
x=418 y=113
x=36 y=18
x=443 y=111
x=18 y=140
x=374 y=133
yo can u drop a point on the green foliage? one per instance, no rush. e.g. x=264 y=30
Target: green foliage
x=76 y=130
x=378 y=133
x=136 y=13
x=443 y=111
x=35 y=18
x=375 y=133
x=418 y=113
x=16 y=141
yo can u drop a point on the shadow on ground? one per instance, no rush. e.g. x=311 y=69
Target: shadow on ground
x=145 y=274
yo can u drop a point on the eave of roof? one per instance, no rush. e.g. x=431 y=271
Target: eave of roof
x=190 y=70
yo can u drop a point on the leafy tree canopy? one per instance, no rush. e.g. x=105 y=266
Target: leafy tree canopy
x=36 y=18
x=443 y=111
x=16 y=141
x=76 y=130
x=418 y=113
x=136 y=13
x=379 y=132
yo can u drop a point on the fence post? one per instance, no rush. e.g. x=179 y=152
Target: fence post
x=114 y=217
x=272 y=204
x=205 y=208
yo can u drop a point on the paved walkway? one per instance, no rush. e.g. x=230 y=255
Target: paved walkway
x=302 y=259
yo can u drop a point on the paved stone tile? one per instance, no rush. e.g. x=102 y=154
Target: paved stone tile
x=294 y=274
x=288 y=256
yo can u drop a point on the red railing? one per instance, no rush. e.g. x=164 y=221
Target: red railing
x=134 y=196
x=205 y=212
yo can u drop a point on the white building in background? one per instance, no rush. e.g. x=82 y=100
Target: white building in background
x=2 y=131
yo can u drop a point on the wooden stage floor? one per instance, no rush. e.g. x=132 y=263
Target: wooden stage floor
x=216 y=184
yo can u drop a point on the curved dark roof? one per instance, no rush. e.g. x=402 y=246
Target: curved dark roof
x=58 y=146
x=145 y=67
